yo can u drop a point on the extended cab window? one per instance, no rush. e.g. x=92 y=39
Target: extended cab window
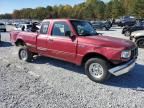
x=44 y=28
x=61 y=29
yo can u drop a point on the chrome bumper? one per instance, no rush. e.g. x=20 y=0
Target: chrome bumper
x=122 y=69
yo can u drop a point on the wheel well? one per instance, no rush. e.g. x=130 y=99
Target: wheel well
x=19 y=42
x=138 y=38
x=92 y=55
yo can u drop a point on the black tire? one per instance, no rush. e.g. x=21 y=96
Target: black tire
x=104 y=75
x=140 y=42
x=127 y=33
x=5 y=30
x=24 y=54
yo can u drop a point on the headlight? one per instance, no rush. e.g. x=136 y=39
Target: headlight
x=126 y=54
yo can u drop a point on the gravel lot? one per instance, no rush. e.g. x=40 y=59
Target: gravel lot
x=50 y=83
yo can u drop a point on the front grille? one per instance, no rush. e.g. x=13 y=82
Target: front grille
x=134 y=53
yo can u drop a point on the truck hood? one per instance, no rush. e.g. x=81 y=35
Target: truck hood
x=107 y=41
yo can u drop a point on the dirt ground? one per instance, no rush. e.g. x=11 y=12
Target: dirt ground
x=50 y=83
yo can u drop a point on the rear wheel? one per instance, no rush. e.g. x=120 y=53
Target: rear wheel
x=97 y=69
x=24 y=54
x=140 y=42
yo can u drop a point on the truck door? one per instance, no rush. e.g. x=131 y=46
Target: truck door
x=42 y=39
x=60 y=44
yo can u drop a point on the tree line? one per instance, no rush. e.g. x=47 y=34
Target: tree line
x=90 y=9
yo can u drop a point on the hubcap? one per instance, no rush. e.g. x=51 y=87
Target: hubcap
x=96 y=70
x=23 y=54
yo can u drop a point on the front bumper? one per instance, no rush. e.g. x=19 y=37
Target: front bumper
x=124 y=68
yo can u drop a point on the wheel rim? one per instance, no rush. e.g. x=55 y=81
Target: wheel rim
x=96 y=70
x=23 y=54
x=141 y=43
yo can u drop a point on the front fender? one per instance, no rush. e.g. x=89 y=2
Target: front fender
x=109 y=54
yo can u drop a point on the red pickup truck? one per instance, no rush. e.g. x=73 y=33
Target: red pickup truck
x=77 y=42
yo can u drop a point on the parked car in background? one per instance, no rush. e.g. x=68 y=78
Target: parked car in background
x=108 y=23
x=77 y=42
x=23 y=27
x=2 y=27
x=8 y=23
x=126 y=21
x=38 y=24
x=101 y=25
x=117 y=21
x=15 y=23
x=127 y=30
x=138 y=38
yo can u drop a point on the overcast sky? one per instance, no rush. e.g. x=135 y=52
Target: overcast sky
x=8 y=6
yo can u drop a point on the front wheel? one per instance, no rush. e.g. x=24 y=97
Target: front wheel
x=97 y=69
x=25 y=54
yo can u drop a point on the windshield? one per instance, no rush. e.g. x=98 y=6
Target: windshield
x=83 y=28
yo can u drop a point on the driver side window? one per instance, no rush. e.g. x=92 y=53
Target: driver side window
x=61 y=29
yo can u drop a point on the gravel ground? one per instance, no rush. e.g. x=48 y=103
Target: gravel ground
x=50 y=83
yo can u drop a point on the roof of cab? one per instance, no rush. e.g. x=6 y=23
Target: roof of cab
x=61 y=20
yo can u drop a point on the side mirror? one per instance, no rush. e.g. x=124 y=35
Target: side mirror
x=70 y=34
